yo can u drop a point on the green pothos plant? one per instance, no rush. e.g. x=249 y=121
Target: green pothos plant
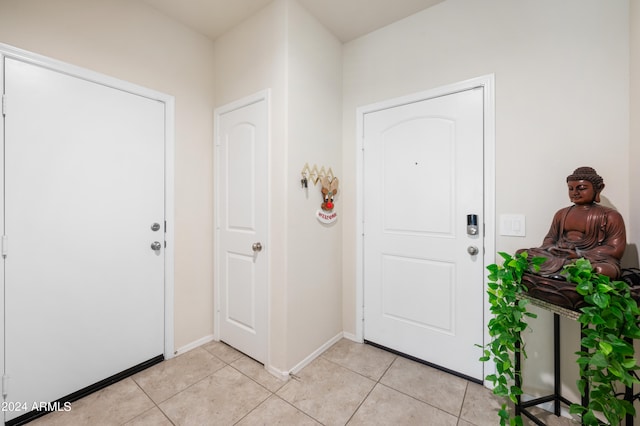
x=607 y=358
x=609 y=321
x=505 y=327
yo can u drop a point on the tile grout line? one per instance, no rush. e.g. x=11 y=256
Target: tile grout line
x=154 y=403
x=225 y=364
x=464 y=397
x=273 y=394
x=377 y=382
x=396 y=357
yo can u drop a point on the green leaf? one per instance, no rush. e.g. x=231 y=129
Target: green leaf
x=491 y=378
x=501 y=390
x=506 y=256
x=628 y=407
x=605 y=347
x=615 y=371
x=599 y=360
x=576 y=409
x=583 y=360
x=515 y=390
x=603 y=288
x=584 y=288
x=600 y=300
x=504 y=415
x=589 y=418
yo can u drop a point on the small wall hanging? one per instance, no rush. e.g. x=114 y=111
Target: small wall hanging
x=329 y=189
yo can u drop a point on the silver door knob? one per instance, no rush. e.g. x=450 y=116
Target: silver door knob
x=472 y=250
x=155 y=246
x=256 y=247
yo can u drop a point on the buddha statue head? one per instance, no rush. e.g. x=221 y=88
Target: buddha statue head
x=584 y=186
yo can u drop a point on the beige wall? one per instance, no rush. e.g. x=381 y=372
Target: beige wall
x=562 y=80
x=285 y=49
x=314 y=250
x=634 y=149
x=132 y=42
x=634 y=155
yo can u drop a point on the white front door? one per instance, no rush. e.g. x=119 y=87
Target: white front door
x=241 y=225
x=84 y=182
x=423 y=174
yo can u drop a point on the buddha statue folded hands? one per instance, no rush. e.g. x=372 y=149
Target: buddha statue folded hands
x=583 y=230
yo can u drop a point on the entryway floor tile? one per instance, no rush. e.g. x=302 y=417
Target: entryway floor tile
x=349 y=384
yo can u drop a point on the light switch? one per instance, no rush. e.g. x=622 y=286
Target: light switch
x=512 y=225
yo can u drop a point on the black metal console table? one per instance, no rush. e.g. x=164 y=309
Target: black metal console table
x=522 y=408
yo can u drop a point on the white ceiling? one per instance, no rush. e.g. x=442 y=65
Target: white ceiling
x=346 y=19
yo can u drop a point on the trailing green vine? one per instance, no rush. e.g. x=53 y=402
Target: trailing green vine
x=505 y=327
x=607 y=359
x=609 y=322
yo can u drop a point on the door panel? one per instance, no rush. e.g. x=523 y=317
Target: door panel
x=84 y=292
x=423 y=173
x=242 y=222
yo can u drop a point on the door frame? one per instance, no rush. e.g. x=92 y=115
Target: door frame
x=263 y=95
x=487 y=82
x=169 y=173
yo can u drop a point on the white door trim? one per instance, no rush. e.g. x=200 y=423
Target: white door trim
x=169 y=102
x=263 y=95
x=488 y=83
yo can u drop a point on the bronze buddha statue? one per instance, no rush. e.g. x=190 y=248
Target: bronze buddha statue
x=583 y=230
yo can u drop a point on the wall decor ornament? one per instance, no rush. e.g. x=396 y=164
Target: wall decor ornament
x=329 y=189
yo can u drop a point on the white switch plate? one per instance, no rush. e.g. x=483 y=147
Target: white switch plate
x=513 y=225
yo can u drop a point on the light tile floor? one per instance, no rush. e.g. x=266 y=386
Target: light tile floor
x=350 y=383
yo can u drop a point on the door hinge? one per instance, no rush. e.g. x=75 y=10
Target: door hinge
x=5 y=386
x=5 y=246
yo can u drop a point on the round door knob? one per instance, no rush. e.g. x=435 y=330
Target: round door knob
x=472 y=250
x=156 y=245
x=256 y=247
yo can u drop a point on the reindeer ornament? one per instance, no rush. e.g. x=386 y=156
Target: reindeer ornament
x=329 y=191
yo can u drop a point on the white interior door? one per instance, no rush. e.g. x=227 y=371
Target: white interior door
x=423 y=174
x=241 y=226
x=84 y=182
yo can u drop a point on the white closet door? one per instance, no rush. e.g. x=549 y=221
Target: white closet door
x=242 y=221
x=84 y=290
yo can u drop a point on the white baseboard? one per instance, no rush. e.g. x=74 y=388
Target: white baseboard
x=195 y=344
x=352 y=337
x=315 y=354
x=282 y=375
